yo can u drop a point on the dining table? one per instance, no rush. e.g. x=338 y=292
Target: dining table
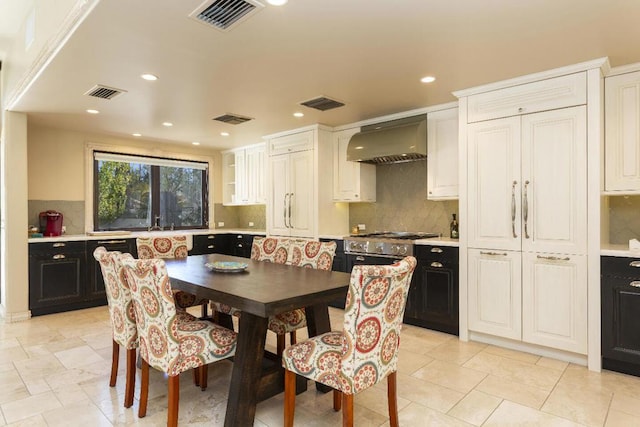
x=260 y=290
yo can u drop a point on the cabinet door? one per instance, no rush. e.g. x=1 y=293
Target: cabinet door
x=242 y=187
x=495 y=293
x=620 y=328
x=301 y=194
x=279 y=205
x=55 y=279
x=442 y=155
x=347 y=176
x=255 y=165
x=494 y=184
x=554 y=176
x=554 y=291
x=622 y=132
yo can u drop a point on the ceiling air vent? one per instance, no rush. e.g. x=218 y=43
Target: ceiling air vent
x=104 y=92
x=223 y=14
x=322 y=103
x=232 y=119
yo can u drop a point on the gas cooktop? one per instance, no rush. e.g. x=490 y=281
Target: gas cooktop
x=402 y=235
x=384 y=243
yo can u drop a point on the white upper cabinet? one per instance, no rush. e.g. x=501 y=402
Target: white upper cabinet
x=528 y=98
x=352 y=181
x=622 y=133
x=442 y=154
x=243 y=175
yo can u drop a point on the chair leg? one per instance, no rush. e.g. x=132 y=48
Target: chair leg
x=204 y=374
x=144 y=388
x=204 y=312
x=115 y=353
x=280 y=345
x=131 y=378
x=347 y=410
x=337 y=400
x=196 y=377
x=289 y=397
x=292 y=337
x=174 y=400
x=392 y=398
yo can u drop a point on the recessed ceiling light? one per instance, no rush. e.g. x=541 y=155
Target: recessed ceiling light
x=428 y=79
x=136 y=134
x=167 y=124
x=93 y=111
x=224 y=133
x=277 y=2
x=195 y=143
x=149 y=77
x=298 y=114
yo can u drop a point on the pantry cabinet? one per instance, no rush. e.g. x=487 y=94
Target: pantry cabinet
x=622 y=133
x=352 y=181
x=442 y=154
x=243 y=176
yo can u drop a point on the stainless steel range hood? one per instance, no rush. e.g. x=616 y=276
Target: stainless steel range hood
x=398 y=141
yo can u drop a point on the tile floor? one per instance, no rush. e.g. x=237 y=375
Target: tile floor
x=54 y=371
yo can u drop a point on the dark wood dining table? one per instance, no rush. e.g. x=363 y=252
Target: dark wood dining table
x=262 y=290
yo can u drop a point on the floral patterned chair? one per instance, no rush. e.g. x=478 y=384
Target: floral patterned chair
x=123 y=321
x=171 y=341
x=307 y=254
x=366 y=351
x=170 y=247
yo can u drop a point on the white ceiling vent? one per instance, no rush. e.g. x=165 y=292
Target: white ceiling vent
x=104 y=92
x=223 y=15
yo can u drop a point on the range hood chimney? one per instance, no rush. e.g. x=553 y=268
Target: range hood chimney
x=397 y=141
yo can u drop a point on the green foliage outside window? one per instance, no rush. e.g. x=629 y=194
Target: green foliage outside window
x=113 y=181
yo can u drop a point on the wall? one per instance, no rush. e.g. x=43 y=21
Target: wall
x=56 y=169
x=401 y=202
x=624 y=219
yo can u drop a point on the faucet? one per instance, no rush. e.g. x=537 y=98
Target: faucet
x=156 y=226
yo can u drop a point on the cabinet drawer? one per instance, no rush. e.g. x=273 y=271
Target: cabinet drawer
x=291 y=143
x=528 y=98
x=56 y=247
x=203 y=244
x=621 y=267
x=428 y=252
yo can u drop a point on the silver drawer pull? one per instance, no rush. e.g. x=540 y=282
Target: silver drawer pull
x=634 y=263
x=359 y=258
x=554 y=258
x=111 y=242
x=493 y=253
x=210 y=247
x=436 y=264
x=211 y=237
x=436 y=250
x=59 y=256
x=59 y=245
x=635 y=283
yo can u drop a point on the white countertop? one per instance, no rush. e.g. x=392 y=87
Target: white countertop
x=619 y=251
x=440 y=241
x=132 y=235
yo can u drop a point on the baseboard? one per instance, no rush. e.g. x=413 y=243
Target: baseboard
x=20 y=316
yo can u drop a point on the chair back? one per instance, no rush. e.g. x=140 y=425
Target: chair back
x=270 y=249
x=121 y=310
x=374 y=309
x=155 y=311
x=167 y=247
x=312 y=254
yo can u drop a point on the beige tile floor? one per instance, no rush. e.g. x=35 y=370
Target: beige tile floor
x=54 y=371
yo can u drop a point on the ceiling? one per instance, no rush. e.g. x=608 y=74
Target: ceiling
x=369 y=54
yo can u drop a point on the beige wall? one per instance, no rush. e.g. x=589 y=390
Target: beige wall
x=56 y=161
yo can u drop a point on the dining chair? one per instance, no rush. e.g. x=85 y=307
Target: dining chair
x=365 y=351
x=171 y=341
x=121 y=313
x=171 y=247
x=306 y=254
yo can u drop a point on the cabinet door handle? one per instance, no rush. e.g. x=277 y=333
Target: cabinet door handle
x=58 y=256
x=284 y=210
x=436 y=264
x=59 y=245
x=290 y=199
x=525 y=210
x=554 y=258
x=436 y=250
x=635 y=284
x=513 y=209
x=634 y=264
x=493 y=253
x=111 y=242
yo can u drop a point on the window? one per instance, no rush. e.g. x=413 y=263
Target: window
x=138 y=192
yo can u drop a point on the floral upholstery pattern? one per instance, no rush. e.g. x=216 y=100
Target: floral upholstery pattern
x=170 y=340
x=271 y=249
x=123 y=320
x=366 y=351
x=169 y=247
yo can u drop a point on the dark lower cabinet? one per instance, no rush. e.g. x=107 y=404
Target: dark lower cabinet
x=620 y=287
x=206 y=244
x=241 y=245
x=433 y=296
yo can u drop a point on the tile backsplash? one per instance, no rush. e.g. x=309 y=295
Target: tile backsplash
x=240 y=216
x=401 y=202
x=624 y=219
